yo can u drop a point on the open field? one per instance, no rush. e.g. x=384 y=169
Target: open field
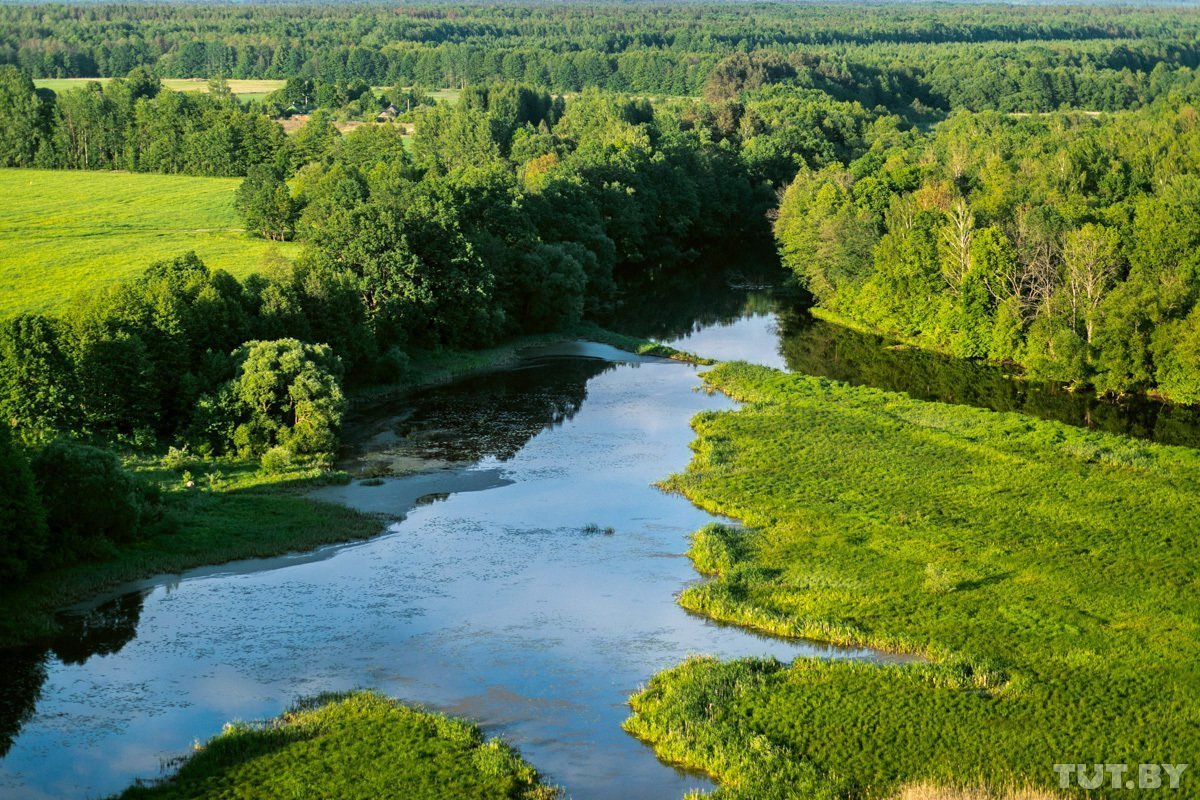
x=65 y=232
x=1047 y=573
x=357 y=745
x=244 y=89
x=450 y=95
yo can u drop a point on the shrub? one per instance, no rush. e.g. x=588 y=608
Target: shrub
x=22 y=521
x=91 y=501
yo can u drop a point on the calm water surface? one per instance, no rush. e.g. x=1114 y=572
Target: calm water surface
x=488 y=597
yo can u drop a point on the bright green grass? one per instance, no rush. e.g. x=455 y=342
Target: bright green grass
x=1051 y=575
x=358 y=745
x=63 y=232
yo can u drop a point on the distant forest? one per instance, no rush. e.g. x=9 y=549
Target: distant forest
x=1006 y=58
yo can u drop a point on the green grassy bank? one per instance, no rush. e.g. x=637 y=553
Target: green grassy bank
x=240 y=512
x=1047 y=572
x=357 y=745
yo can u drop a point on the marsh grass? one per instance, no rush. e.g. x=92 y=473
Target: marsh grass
x=929 y=791
x=348 y=746
x=1047 y=572
x=66 y=232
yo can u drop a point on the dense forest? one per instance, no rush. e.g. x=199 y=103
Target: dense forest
x=1003 y=58
x=1063 y=242
x=1012 y=184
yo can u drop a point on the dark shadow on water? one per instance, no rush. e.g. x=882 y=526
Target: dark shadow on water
x=493 y=414
x=671 y=305
x=102 y=630
x=97 y=631
x=24 y=673
x=816 y=347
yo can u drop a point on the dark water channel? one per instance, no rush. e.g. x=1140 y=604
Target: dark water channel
x=495 y=592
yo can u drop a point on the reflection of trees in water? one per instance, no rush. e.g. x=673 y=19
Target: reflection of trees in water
x=99 y=631
x=496 y=413
x=669 y=304
x=24 y=673
x=816 y=347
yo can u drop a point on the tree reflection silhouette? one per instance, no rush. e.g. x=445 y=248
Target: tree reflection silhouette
x=102 y=630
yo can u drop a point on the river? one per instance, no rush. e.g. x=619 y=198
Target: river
x=497 y=592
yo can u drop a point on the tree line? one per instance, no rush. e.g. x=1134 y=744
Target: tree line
x=1065 y=242
x=132 y=123
x=1000 y=58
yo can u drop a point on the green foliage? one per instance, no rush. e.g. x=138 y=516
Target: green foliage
x=24 y=121
x=1061 y=241
x=37 y=380
x=285 y=402
x=266 y=205
x=982 y=57
x=1038 y=567
x=420 y=278
x=316 y=141
x=91 y=502
x=23 y=537
x=354 y=745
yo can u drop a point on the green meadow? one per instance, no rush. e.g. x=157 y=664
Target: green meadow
x=64 y=233
x=356 y=745
x=1045 y=576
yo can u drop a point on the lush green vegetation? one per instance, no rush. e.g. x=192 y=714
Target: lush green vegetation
x=1011 y=183
x=356 y=745
x=1047 y=573
x=64 y=234
x=1000 y=57
x=516 y=213
x=1064 y=242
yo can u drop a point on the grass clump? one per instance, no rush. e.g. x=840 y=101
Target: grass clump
x=67 y=232
x=1046 y=572
x=717 y=548
x=355 y=745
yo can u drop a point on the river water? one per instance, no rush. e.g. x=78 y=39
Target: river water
x=497 y=592
x=489 y=596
